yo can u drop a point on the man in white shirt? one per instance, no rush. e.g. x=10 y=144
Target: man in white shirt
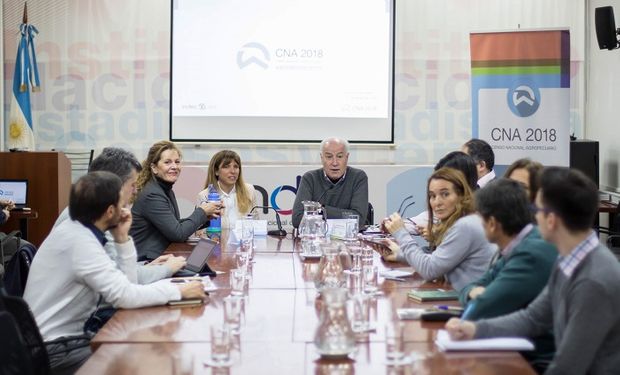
x=72 y=270
x=483 y=155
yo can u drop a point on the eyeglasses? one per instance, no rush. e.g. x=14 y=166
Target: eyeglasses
x=534 y=209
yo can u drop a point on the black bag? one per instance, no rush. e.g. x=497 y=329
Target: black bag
x=18 y=267
x=9 y=244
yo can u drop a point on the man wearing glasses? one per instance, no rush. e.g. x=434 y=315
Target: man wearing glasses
x=339 y=188
x=582 y=298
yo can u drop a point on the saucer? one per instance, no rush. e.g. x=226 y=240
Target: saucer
x=209 y=362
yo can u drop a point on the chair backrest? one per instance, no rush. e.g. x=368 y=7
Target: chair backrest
x=370 y=216
x=14 y=356
x=20 y=332
x=80 y=162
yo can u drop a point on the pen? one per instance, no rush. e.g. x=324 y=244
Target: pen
x=449 y=308
x=467 y=311
x=393 y=278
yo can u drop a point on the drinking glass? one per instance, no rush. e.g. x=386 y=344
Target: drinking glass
x=242 y=258
x=237 y=282
x=394 y=342
x=220 y=345
x=367 y=256
x=232 y=313
x=370 y=276
x=352 y=226
x=360 y=313
x=247 y=235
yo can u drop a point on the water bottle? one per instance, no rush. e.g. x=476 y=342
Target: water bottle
x=215 y=225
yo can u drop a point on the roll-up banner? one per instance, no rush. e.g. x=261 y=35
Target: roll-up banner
x=521 y=94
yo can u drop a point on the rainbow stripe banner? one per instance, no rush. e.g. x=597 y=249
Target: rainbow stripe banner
x=521 y=94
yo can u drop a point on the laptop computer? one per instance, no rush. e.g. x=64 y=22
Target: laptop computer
x=197 y=260
x=16 y=191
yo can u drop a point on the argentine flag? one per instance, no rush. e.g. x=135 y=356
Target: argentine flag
x=20 y=134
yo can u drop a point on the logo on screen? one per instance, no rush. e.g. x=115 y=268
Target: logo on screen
x=524 y=100
x=253 y=54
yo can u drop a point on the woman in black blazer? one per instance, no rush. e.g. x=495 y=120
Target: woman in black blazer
x=156 y=218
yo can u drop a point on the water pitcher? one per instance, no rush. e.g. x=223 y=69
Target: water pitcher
x=334 y=336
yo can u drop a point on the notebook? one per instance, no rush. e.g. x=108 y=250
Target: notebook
x=445 y=343
x=15 y=190
x=425 y=295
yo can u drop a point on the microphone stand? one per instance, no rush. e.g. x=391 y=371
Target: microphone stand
x=278 y=232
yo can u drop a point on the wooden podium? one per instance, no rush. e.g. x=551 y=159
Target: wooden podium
x=49 y=184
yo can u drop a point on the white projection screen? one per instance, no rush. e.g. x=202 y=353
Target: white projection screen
x=282 y=70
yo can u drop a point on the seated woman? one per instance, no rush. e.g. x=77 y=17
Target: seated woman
x=525 y=171
x=459 y=248
x=156 y=219
x=418 y=225
x=225 y=175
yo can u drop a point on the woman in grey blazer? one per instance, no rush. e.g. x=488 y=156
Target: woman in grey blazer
x=156 y=218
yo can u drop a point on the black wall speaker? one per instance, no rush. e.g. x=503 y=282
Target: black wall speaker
x=584 y=157
x=605 y=27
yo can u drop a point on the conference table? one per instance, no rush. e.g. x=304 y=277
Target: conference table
x=281 y=311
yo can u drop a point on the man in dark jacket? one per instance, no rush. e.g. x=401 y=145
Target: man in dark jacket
x=523 y=265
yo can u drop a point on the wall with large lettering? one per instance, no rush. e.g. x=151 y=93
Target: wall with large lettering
x=105 y=75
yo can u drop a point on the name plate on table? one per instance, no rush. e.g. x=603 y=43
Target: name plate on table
x=260 y=227
x=337 y=228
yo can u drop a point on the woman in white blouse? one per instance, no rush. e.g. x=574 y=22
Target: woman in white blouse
x=225 y=175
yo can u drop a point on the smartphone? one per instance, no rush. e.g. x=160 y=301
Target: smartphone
x=186 y=302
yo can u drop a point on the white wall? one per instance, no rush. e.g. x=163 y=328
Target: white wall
x=603 y=100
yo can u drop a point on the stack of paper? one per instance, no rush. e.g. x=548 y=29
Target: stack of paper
x=445 y=343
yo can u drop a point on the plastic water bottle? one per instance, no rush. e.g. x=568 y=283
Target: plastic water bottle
x=215 y=225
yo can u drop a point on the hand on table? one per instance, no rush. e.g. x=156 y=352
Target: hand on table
x=460 y=329
x=192 y=290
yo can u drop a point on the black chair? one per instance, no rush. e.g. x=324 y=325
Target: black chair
x=14 y=357
x=80 y=161
x=27 y=339
x=370 y=216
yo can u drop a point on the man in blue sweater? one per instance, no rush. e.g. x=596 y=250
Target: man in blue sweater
x=582 y=298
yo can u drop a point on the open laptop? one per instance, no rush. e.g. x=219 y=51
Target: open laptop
x=197 y=260
x=15 y=190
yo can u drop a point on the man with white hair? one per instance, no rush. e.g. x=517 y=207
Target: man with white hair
x=339 y=188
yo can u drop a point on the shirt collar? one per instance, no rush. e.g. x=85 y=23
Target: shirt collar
x=517 y=240
x=486 y=178
x=233 y=191
x=569 y=263
x=98 y=234
x=340 y=179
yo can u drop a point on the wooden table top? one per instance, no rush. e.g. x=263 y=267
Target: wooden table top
x=272 y=357
x=279 y=322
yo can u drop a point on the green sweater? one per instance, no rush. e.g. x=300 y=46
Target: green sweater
x=511 y=283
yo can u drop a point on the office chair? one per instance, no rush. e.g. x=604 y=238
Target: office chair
x=28 y=338
x=14 y=358
x=370 y=216
x=80 y=161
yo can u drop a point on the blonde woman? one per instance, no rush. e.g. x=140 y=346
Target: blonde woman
x=156 y=219
x=459 y=248
x=225 y=175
